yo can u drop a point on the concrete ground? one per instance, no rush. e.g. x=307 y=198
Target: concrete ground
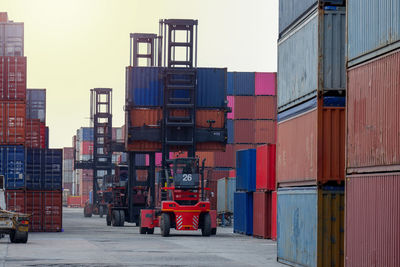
x=89 y=242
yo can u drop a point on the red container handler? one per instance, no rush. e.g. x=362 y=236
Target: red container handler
x=274 y=216
x=262 y=214
x=372 y=232
x=12 y=78
x=266 y=168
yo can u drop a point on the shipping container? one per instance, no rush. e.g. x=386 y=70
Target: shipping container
x=373 y=116
x=46 y=140
x=372 y=220
x=35 y=134
x=226 y=189
x=68 y=153
x=144 y=87
x=3 y=17
x=311 y=58
x=311 y=226
x=274 y=211
x=118 y=134
x=12 y=78
x=373 y=29
x=230 y=84
x=35 y=164
x=227 y=158
x=265 y=108
x=208 y=156
x=231 y=105
x=315 y=154
x=12 y=123
x=86 y=148
x=265 y=83
x=245 y=131
x=12 y=166
x=11 y=39
x=52 y=170
x=292 y=11
x=74 y=202
x=245 y=107
x=262 y=208
x=231 y=131
x=36 y=104
x=266 y=167
x=34 y=206
x=85 y=134
x=52 y=211
x=265 y=131
x=244 y=83
x=246 y=170
x=243 y=213
x=212 y=194
x=85 y=187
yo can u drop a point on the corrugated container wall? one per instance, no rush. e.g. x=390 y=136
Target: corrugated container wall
x=246 y=170
x=274 y=206
x=262 y=214
x=373 y=28
x=230 y=83
x=372 y=220
x=36 y=104
x=245 y=107
x=243 y=213
x=12 y=133
x=245 y=131
x=266 y=167
x=311 y=226
x=265 y=83
x=373 y=116
x=305 y=49
x=85 y=134
x=12 y=39
x=13 y=78
x=226 y=189
x=291 y=10
x=12 y=166
x=244 y=83
x=231 y=131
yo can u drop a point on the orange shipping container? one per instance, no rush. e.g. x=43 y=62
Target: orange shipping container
x=310 y=148
x=12 y=122
x=244 y=131
x=265 y=108
x=208 y=156
x=265 y=132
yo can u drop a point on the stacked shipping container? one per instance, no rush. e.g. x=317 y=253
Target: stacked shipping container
x=32 y=172
x=373 y=134
x=311 y=132
x=68 y=168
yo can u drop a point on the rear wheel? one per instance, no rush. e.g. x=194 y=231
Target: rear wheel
x=115 y=219
x=121 y=218
x=101 y=211
x=165 y=224
x=143 y=230
x=150 y=231
x=18 y=237
x=206 y=229
x=108 y=219
x=213 y=231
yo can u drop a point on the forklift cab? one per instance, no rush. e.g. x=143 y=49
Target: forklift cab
x=185 y=173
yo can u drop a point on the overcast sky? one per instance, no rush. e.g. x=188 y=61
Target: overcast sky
x=75 y=45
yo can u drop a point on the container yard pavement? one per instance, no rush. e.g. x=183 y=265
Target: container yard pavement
x=89 y=242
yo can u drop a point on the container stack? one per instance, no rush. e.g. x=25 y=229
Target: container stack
x=263 y=217
x=373 y=134
x=32 y=172
x=68 y=168
x=311 y=132
x=245 y=187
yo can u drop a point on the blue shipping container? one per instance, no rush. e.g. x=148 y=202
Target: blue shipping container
x=244 y=83
x=311 y=226
x=230 y=83
x=36 y=104
x=86 y=134
x=145 y=87
x=246 y=170
x=243 y=213
x=231 y=132
x=47 y=138
x=34 y=168
x=12 y=166
x=52 y=170
x=373 y=28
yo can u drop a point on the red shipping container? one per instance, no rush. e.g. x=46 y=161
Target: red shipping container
x=310 y=148
x=74 y=201
x=274 y=216
x=245 y=131
x=13 y=78
x=262 y=214
x=34 y=206
x=265 y=132
x=15 y=201
x=35 y=136
x=373 y=116
x=212 y=193
x=86 y=147
x=265 y=108
x=232 y=173
x=245 y=107
x=225 y=159
x=266 y=167
x=12 y=123
x=52 y=211
x=85 y=187
x=372 y=232
x=265 y=83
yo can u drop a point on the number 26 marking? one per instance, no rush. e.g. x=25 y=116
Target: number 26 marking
x=187 y=177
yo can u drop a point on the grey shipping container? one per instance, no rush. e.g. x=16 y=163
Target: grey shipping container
x=225 y=188
x=36 y=104
x=373 y=28
x=311 y=58
x=11 y=39
x=291 y=11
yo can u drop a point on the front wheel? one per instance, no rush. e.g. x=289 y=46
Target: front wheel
x=150 y=231
x=101 y=211
x=165 y=224
x=121 y=218
x=206 y=229
x=18 y=237
x=108 y=219
x=115 y=219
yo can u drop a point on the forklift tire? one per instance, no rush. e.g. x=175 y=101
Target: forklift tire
x=165 y=224
x=213 y=231
x=206 y=229
x=143 y=230
x=108 y=219
x=121 y=218
x=115 y=220
x=18 y=237
x=101 y=211
x=150 y=231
